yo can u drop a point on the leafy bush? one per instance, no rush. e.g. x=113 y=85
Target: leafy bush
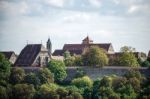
x=53 y=91
x=3 y=93
x=32 y=78
x=58 y=68
x=4 y=67
x=45 y=76
x=94 y=56
x=23 y=91
x=128 y=59
x=83 y=82
x=17 y=75
x=78 y=61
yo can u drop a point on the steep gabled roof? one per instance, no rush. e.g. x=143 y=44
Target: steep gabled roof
x=72 y=52
x=69 y=47
x=8 y=54
x=79 y=48
x=87 y=40
x=58 y=53
x=29 y=54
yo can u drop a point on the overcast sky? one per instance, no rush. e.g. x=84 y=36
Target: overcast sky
x=120 y=22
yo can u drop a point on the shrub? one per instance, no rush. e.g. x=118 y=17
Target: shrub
x=17 y=75
x=32 y=78
x=128 y=59
x=78 y=61
x=45 y=76
x=94 y=56
x=58 y=68
x=5 y=67
x=3 y=93
x=82 y=82
x=23 y=91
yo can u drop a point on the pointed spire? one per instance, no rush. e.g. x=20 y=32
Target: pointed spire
x=49 y=46
x=87 y=40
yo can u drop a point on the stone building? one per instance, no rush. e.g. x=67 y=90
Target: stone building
x=10 y=55
x=77 y=49
x=34 y=55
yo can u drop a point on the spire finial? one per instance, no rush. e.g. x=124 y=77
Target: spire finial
x=41 y=41
x=27 y=42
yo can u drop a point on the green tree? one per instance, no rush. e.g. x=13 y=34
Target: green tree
x=17 y=75
x=47 y=91
x=45 y=76
x=58 y=68
x=32 y=78
x=94 y=56
x=127 y=49
x=62 y=92
x=67 y=54
x=23 y=91
x=134 y=73
x=83 y=82
x=3 y=93
x=68 y=59
x=5 y=67
x=127 y=92
x=78 y=60
x=145 y=64
x=128 y=59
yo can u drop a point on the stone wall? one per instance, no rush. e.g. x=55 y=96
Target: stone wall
x=95 y=73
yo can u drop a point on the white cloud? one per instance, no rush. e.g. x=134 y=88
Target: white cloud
x=57 y=3
x=96 y=3
x=133 y=9
x=142 y=9
x=13 y=9
x=76 y=17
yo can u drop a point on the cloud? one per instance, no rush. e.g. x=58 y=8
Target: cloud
x=96 y=3
x=76 y=17
x=13 y=9
x=139 y=9
x=69 y=21
x=133 y=9
x=57 y=3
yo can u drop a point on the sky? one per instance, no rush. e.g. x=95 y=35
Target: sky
x=120 y=22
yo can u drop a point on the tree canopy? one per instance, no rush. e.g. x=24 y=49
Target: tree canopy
x=17 y=75
x=128 y=59
x=127 y=49
x=58 y=68
x=5 y=67
x=94 y=56
x=45 y=76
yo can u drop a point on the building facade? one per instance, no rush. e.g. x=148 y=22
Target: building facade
x=10 y=55
x=34 y=55
x=77 y=49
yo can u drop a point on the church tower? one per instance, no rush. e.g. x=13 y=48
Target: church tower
x=49 y=47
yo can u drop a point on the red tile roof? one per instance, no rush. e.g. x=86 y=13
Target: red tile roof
x=79 y=48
